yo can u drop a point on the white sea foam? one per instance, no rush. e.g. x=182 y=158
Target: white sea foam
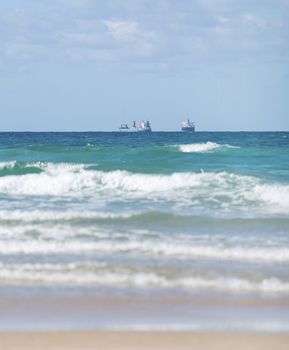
x=270 y=285
x=146 y=248
x=223 y=188
x=64 y=179
x=203 y=147
x=54 y=215
x=57 y=179
x=4 y=165
x=104 y=279
x=45 y=267
x=137 y=279
x=255 y=254
x=275 y=194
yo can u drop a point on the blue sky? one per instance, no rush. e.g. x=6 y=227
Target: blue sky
x=93 y=64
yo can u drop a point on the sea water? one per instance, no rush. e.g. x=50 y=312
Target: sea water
x=170 y=212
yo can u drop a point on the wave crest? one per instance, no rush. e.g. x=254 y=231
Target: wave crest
x=220 y=190
x=66 y=275
x=203 y=147
x=151 y=248
x=65 y=179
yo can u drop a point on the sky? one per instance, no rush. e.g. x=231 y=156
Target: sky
x=89 y=65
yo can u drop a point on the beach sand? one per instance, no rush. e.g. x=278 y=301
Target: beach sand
x=46 y=319
x=109 y=340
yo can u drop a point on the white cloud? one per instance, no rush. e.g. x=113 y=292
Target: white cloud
x=123 y=30
x=254 y=20
x=139 y=31
x=110 y=40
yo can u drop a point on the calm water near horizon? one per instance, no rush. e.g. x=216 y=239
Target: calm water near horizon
x=166 y=214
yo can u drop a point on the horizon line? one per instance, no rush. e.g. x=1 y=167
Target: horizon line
x=132 y=132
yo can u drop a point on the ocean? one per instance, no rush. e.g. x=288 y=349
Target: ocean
x=167 y=218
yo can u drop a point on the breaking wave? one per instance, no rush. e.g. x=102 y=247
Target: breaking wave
x=73 y=274
x=152 y=248
x=203 y=147
x=67 y=215
x=222 y=188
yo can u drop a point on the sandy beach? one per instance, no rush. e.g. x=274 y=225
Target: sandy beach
x=141 y=341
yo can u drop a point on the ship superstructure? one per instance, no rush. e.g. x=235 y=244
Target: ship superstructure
x=142 y=127
x=145 y=127
x=188 y=126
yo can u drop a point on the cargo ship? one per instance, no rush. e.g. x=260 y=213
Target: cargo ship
x=143 y=127
x=188 y=126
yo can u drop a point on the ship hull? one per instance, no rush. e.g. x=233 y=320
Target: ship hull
x=127 y=130
x=134 y=130
x=188 y=129
x=144 y=130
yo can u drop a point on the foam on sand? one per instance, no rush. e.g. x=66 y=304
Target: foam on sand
x=120 y=277
x=153 y=248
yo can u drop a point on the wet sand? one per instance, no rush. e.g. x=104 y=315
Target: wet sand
x=69 y=309
x=45 y=319
x=108 y=340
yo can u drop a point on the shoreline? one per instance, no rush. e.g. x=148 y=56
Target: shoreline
x=115 y=340
x=81 y=309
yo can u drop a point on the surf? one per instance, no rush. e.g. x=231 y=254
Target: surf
x=204 y=147
x=206 y=189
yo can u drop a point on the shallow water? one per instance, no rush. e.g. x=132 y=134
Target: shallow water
x=203 y=212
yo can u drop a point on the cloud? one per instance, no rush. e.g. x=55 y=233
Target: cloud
x=111 y=40
x=138 y=42
x=123 y=30
x=165 y=33
x=22 y=50
x=250 y=19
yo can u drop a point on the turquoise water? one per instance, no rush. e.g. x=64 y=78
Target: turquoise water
x=203 y=212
